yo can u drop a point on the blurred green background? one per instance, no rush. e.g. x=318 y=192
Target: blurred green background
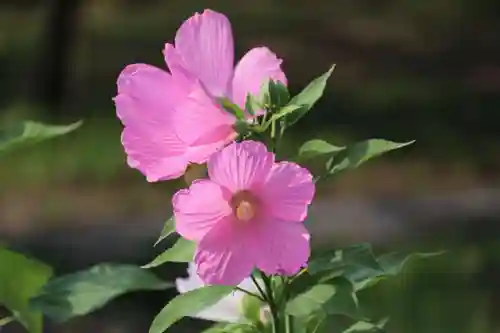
x=414 y=69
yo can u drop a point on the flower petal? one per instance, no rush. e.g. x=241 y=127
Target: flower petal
x=145 y=105
x=241 y=166
x=223 y=256
x=199 y=121
x=288 y=191
x=204 y=43
x=227 y=309
x=200 y=208
x=154 y=90
x=252 y=71
x=283 y=248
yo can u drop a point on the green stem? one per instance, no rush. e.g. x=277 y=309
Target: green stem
x=250 y=293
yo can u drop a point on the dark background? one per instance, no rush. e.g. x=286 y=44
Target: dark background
x=414 y=69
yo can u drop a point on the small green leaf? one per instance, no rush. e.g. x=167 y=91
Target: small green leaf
x=187 y=304
x=252 y=105
x=20 y=279
x=251 y=308
x=80 y=293
x=30 y=132
x=232 y=108
x=181 y=251
x=168 y=229
x=278 y=94
x=334 y=297
x=315 y=148
x=308 y=97
x=289 y=109
x=241 y=127
x=367 y=327
x=354 y=155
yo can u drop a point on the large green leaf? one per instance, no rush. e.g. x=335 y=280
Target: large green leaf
x=355 y=255
x=20 y=279
x=308 y=97
x=315 y=148
x=30 y=132
x=187 y=304
x=354 y=155
x=83 y=292
x=358 y=264
x=168 y=229
x=181 y=251
x=332 y=297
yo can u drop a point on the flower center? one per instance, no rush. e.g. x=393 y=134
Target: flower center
x=244 y=206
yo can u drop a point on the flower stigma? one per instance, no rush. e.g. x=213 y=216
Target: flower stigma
x=244 y=206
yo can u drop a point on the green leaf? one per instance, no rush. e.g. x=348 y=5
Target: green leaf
x=168 y=229
x=278 y=94
x=367 y=327
x=251 y=308
x=232 y=108
x=354 y=155
x=355 y=255
x=334 y=297
x=20 y=279
x=393 y=263
x=231 y=328
x=181 y=251
x=187 y=304
x=289 y=109
x=80 y=293
x=315 y=148
x=308 y=97
x=252 y=105
x=30 y=132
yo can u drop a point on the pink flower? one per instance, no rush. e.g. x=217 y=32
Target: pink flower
x=248 y=214
x=173 y=119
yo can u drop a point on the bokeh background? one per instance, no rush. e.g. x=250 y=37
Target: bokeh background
x=414 y=69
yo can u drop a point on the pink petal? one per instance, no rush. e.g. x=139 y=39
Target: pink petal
x=145 y=104
x=199 y=121
x=158 y=159
x=198 y=209
x=204 y=44
x=155 y=91
x=223 y=256
x=283 y=248
x=288 y=191
x=254 y=69
x=241 y=166
x=176 y=65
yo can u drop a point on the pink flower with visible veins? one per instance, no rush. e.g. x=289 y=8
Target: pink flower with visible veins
x=248 y=214
x=173 y=119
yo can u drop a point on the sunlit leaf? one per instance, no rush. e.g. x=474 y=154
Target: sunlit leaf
x=80 y=293
x=367 y=327
x=20 y=279
x=186 y=304
x=30 y=132
x=315 y=148
x=308 y=97
x=333 y=297
x=181 y=251
x=168 y=229
x=354 y=155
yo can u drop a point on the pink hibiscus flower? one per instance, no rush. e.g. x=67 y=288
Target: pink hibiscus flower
x=173 y=119
x=248 y=214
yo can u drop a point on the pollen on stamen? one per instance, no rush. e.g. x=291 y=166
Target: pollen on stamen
x=245 y=211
